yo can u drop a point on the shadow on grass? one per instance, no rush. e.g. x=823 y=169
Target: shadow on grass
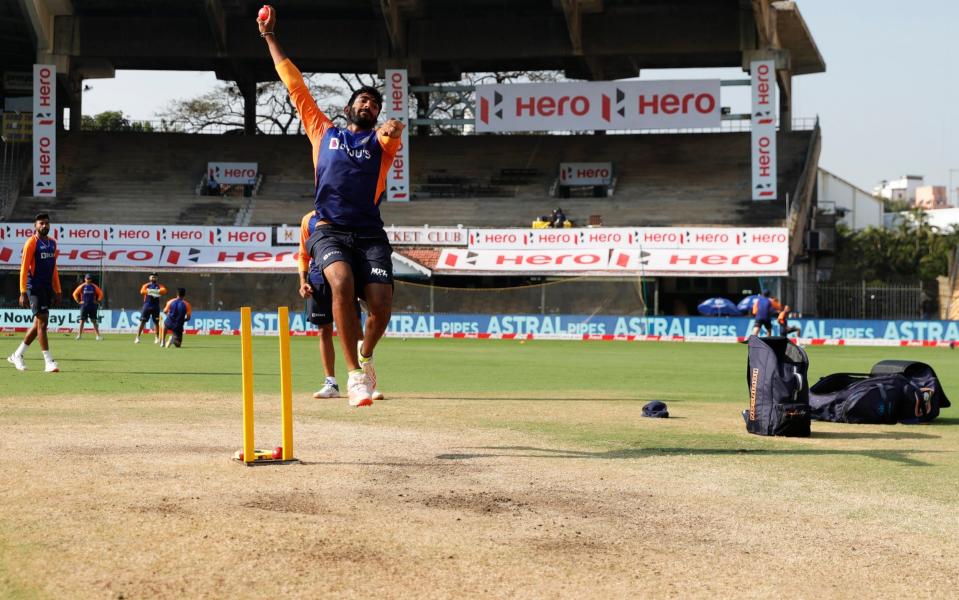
x=897 y=456
x=874 y=435
x=946 y=421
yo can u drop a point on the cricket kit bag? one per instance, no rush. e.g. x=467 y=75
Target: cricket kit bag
x=895 y=391
x=778 y=389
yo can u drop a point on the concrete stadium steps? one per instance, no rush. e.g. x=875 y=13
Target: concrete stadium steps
x=151 y=177
x=661 y=179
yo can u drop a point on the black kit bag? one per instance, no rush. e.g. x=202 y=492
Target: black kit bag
x=778 y=388
x=895 y=391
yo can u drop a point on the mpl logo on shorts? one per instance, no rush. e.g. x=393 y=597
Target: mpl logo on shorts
x=378 y=272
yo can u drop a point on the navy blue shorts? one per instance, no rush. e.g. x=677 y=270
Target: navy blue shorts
x=40 y=300
x=368 y=253
x=319 y=306
x=88 y=313
x=150 y=313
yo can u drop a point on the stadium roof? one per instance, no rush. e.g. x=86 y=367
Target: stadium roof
x=436 y=39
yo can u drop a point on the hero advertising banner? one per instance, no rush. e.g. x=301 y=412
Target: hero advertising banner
x=763 y=125
x=603 y=105
x=397 y=107
x=45 y=131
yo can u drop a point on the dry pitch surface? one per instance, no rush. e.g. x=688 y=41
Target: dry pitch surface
x=135 y=497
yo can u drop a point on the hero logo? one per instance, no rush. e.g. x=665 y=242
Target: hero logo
x=242 y=236
x=619 y=107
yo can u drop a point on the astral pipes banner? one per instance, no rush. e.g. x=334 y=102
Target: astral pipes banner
x=45 y=131
x=829 y=331
x=397 y=107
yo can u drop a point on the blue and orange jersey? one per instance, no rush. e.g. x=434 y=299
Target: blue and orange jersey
x=349 y=168
x=38 y=265
x=177 y=312
x=151 y=293
x=307 y=226
x=88 y=294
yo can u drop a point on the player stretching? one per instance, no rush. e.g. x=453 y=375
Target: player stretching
x=319 y=308
x=177 y=312
x=152 y=290
x=39 y=288
x=349 y=244
x=88 y=295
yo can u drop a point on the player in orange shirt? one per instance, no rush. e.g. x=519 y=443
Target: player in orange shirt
x=88 y=295
x=39 y=289
x=151 y=291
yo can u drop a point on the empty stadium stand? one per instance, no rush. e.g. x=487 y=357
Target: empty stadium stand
x=479 y=180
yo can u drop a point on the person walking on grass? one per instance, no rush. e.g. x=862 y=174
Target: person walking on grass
x=39 y=289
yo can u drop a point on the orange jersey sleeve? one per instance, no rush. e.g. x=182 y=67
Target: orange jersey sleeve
x=76 y=292
x=26 y=262
x=162 y=290
x=143 y=291
x=303 y=258
x=315 y=123
x=56 y=281
x=99 y=292
x=166 y=309
x=189 y=310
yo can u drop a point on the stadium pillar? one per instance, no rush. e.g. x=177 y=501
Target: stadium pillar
x=785 y=101
x=248 y=89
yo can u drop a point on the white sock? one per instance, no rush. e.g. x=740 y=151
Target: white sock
x=21 y=349
x=330 y=380
x=47 y=356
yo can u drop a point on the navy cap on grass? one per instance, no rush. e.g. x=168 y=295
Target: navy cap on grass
x=656 y=409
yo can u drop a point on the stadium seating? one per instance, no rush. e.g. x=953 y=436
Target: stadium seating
x=478 y=180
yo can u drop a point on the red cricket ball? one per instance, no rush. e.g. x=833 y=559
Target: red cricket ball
x=278 y=452
x=264 y=14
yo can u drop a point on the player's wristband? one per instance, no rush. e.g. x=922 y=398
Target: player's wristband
x=266 y=33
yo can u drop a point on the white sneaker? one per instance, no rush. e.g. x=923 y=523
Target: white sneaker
x=156 y=340
x=136 y=340
x=17 y=361
x=367 y=365
x=51 y=367
x=377 y=396
x=99 y=339
x=78 y=338
x=359 y=393
x=329 y=390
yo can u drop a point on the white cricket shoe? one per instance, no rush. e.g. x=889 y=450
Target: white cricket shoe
x=99 y=339
x=367 y=365
x=377 y=396
x=156 y=340
x=51 y=367
x=17 y=361
x=329 y=390
x=136 y=340
x=359 y=393
x=78 y=338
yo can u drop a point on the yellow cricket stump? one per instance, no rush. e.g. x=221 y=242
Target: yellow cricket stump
x=250 y=456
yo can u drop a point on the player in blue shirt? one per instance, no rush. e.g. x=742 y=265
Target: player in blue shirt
x=349 y=244
x=39 y=289
x=88 y=295
x=178 y=312
x=151 y=291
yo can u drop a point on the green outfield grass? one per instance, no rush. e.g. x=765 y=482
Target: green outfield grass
x=534 y=418
x=535 y=370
